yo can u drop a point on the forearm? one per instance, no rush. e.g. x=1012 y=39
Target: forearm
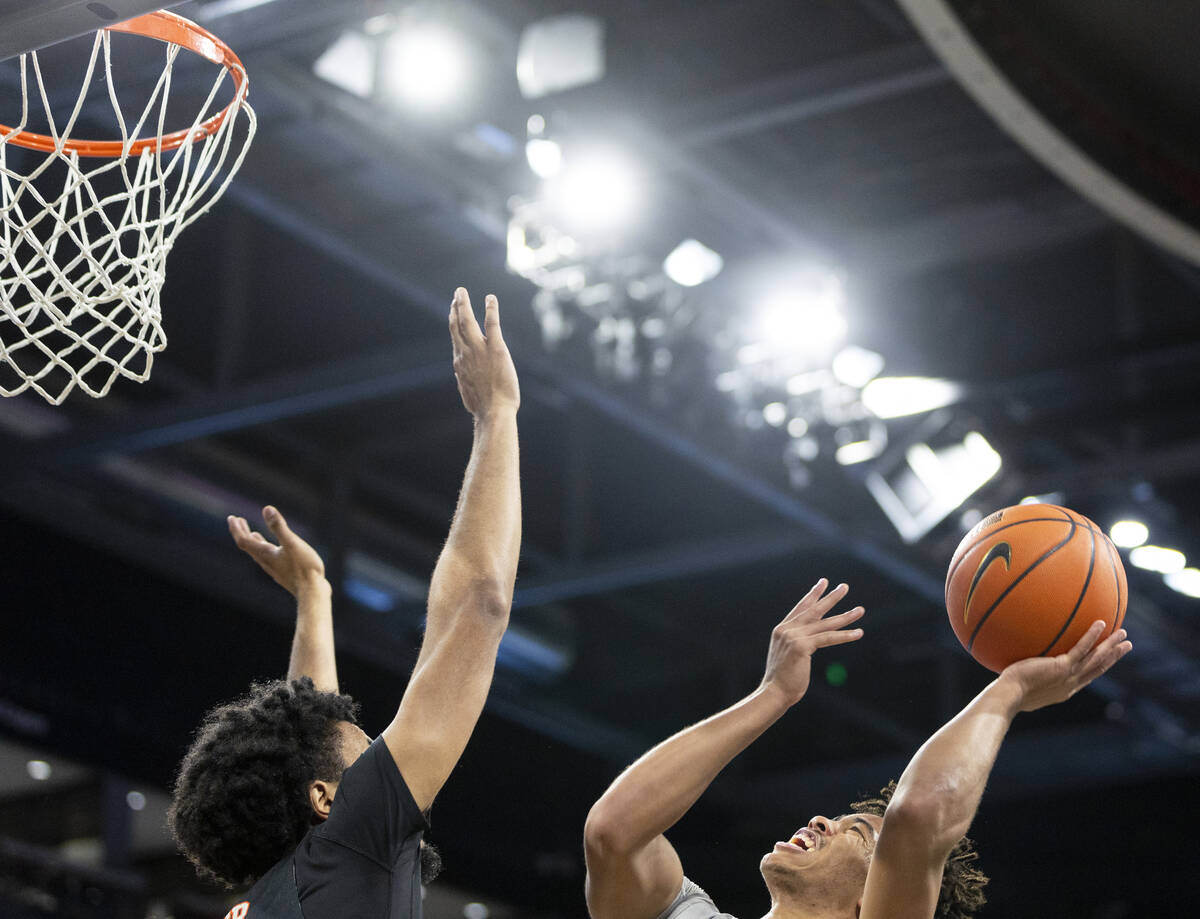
x=481 y=552
x=942 y=785
x=656 y=791
x=312 y=644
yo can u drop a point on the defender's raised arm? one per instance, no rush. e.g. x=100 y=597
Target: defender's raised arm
x=296 y=567
x=470 y=593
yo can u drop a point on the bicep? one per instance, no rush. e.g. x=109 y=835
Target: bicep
x=442 y=703
x=632 y=885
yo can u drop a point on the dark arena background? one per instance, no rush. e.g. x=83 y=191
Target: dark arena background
x=795 y=289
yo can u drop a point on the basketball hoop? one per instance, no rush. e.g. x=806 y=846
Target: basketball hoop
x=86 y=225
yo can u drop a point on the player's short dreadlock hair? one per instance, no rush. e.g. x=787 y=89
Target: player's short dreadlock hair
x=241 y=799
x=962 y=883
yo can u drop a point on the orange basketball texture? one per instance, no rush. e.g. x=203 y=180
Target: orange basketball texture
x=1027 y=581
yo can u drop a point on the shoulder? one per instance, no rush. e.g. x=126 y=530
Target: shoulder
x=375 y=774
x=693 y=903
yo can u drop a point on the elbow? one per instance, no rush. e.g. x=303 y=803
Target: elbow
x=925 y=816
x=603 y=835
x=491 y=600
x=484 y=600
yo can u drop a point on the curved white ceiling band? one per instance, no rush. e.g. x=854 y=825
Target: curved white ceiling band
x=945 y=34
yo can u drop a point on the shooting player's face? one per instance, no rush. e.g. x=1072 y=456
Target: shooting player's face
x=824 y=861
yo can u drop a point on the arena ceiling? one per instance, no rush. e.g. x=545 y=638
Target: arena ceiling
x=666 y=529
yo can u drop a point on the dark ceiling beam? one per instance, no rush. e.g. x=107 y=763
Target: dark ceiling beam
x=664 y=563
x=975 y=232
x=1118 y=470
x=783 y=503
x=287 y=396
x=807 y=93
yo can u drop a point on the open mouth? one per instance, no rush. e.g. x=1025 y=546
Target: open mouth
x=805 y=840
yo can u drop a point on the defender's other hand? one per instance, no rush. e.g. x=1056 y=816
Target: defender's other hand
x=803 y=631
x=1046 y=681
x=293 y=564
x=487 y=379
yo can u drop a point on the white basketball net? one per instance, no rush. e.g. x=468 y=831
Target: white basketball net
x=84 y=240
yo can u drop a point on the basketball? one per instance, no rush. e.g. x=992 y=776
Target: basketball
x=1028 y=581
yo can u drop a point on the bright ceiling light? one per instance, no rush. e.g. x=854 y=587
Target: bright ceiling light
x=1051 y=497
x=38 y=769
x=805 y=317
x=425 y=65
x=692 y=263
x=349 y=63
x=858 y=451
x=893 y=397
x=857 y=366
x=559 y=53
x=775 y=414
x=1157 y=558
x=544 y=157
x=1185 y=582
x=596 y=193
x=1128 y=533
x=859 y=442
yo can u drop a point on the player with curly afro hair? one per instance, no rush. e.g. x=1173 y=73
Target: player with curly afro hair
x=281 y=789
x=902 y=855
x=241 y=800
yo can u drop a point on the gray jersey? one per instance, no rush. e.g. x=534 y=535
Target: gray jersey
x=693 y=903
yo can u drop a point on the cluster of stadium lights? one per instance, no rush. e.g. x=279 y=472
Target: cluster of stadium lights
x=784 y=365
x=1170 y=563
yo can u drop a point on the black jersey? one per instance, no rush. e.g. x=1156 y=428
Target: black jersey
x=361 y=863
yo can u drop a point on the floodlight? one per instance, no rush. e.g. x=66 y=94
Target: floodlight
x=596 y=193
x=1051 y=497
x=1185 y=582
x=856 y=366
x=425 y=65
x=933 y=482
x=544 y=157
x=558 y=53
x=39 y=770
x=691 y=263
x=775 y=414
x=1129 y=533
x=349 y=64
x=857 y=445
x=806 y=316
x=894 y=397
x=1158 y=558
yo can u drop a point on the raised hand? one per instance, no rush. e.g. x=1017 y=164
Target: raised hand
x=803 y=631
x=1049 y=680
x=293 y=564
x=483 y=367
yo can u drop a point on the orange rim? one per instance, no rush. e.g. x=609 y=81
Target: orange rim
x=173 y=29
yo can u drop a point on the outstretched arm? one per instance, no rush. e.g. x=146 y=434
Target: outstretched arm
x=470 y=593
x=939 y=792
x=633 y=872
x=295 y=566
